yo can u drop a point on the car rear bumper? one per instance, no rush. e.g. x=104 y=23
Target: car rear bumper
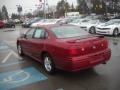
x=84 y=62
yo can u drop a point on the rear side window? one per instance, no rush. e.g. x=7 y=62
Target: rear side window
x=68 y=31
x=39 y=34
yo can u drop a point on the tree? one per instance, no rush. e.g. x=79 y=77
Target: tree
x=95 y=6
x=29 y=15
x=52 y=11
x=4 y=12
x=15 y=16
x=104 y=8
x=115 y=5
x=72 y=8
x=62 y=8
x=82 y=7
x=99 y=6
x=1 y=15
x=67 y=7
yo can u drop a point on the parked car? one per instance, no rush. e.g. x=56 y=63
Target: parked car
x=46 y=22
x=2 y=24
x=64 y=47
x=88 y=19
x=10 y=24
x=111 y=27
x=69 y=19
x=64 y=21
x=91 y=24
x=17 y=21
x=39 y=22
x=76 y=22
x=28 y=23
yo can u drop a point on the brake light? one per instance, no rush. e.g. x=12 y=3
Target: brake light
x=73 y=52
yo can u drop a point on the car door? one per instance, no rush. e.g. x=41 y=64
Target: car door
x=37 y=42
x=26 y=41
x=119 y=26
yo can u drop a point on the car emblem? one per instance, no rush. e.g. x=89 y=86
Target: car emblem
x=94 y=47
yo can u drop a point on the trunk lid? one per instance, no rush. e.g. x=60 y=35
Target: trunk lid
x=87 y=44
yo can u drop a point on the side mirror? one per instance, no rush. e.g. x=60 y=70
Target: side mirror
x=23 y=35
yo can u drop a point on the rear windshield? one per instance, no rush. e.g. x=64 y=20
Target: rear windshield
x=68 y=31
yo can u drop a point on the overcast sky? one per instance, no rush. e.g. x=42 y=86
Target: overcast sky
x=27 y=4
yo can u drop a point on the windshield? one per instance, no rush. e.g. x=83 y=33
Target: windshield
x=89 y=17
x=94 y=21
x=68 y=31
x=76 y=21
x=112 y=22
x=42 y=21
x=93 y=17
x=34 y=20
x=84 y=21
x=51 y=21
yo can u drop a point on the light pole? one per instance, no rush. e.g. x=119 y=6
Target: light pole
x=19 y=10
x=65 y=7
x=107 y=4
x=44 y=6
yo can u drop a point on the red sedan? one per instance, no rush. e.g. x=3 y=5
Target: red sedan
x=2 y=24
x=64 y=47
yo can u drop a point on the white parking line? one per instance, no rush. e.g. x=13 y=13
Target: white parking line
x=7 y=57
x=15 y=54
x=11 y=53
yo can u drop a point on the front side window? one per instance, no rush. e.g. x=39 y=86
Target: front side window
x=30 y=33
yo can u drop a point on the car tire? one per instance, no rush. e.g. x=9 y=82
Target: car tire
x=116 y=32
x=48 y=64
x=20 y=51
x=92 y=30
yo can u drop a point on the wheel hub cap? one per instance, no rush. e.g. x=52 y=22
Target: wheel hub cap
x=19 y=49
x=47 y=64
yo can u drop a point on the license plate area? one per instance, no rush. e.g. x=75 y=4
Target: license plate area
x=96 y=58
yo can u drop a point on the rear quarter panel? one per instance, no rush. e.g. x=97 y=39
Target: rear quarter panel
x=58 y=51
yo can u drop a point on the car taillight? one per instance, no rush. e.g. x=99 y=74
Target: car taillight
x=78 y=51
x=73 y=52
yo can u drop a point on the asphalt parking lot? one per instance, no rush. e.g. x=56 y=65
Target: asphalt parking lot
x=23 y=73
